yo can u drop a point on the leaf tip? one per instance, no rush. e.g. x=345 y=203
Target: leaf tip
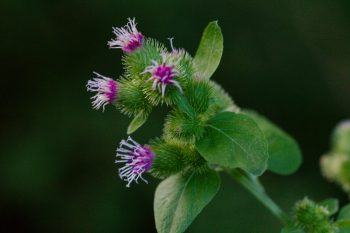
x=130 y=130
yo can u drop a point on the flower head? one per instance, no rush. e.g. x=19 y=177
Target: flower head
x=137 y=159
x=127 y=38
x=106 y=88
x=163 y=74
x=177 y=52
x=313 y=217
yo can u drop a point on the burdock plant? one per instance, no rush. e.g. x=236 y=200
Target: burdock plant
x=204 y=133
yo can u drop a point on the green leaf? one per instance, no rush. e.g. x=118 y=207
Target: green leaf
x=180 y=198
x=284 y=153
x=343 y=223
x=209 y=52
x=234 y=140
x=332 y=205
x=344 y=213
x=137 y=122
x=343 y=226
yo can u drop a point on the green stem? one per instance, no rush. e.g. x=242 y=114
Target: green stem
x=252 y=184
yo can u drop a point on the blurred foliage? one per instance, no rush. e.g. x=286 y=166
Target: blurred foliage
x=289 y=60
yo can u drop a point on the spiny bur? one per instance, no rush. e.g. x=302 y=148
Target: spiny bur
x=313 y=218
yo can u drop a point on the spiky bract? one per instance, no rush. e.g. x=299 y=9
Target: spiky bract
x=182 y=128
x=313 y=218
x=222 y=101
x=132 y=100
x=135 y=63
x=169 y=159
x=173 y=157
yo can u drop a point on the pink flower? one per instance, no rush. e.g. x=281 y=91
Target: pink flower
x=127 y=38
x=137 y=159
x=163 y=74
x=106 y=88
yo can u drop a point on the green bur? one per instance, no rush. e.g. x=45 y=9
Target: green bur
x=335 y=164
x=311 y=217
x=341 y=138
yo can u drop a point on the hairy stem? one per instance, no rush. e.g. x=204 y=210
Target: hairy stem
x=252 y=184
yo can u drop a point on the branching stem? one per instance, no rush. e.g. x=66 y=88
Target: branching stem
x=252 y=184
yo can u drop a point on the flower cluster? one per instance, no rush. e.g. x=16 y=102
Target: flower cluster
x=160 y=67
x=154 y=76
x=106 y=91
x=204 y=132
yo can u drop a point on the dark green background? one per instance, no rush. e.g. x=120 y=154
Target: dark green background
x=289 y=60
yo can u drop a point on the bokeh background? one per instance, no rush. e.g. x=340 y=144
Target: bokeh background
x=289 y=60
